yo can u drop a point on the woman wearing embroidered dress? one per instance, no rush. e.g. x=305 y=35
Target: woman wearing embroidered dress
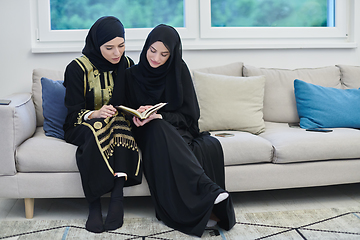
x=107 y=156
x=174 y=152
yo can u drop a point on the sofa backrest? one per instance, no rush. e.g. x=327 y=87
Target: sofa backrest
x=350 y=76
x=232 y=69
x=37 y=89
x=279 y=98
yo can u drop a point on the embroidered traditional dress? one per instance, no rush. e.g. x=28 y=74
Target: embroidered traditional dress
x=105 y=146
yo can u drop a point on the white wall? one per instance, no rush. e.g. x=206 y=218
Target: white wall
x=17 y=61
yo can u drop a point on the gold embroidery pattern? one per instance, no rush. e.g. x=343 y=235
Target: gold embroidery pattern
x=111 y=123
x=97 y=125
x=101 y=95
x=105 y=138
x=117 y=133
x=81 y=115
x=117 y=141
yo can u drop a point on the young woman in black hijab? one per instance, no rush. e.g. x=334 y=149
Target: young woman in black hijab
x=107 y=155
x=174 y=152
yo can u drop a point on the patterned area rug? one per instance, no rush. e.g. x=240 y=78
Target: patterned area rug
x=301 y=224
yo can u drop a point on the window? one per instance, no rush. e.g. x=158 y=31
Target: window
x=53 y=33
x=275 y=19
x=202 y=24
x=272 y=13
x=81 y=14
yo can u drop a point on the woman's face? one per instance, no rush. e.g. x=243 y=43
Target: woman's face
x=113 y=50
x=157 y=54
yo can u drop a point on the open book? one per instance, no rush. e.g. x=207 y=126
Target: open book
x=142 y=115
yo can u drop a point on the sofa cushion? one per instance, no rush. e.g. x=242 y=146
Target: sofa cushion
x=350 y=76
x=45 y=154
x=279 y=99
x=298 y=145
x=54 y=110
x=244 y=148
x=232 y=69
x=324 y=107
x=230 y=103
x=37 y=90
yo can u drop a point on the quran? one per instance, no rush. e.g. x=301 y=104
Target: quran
x=141 y=115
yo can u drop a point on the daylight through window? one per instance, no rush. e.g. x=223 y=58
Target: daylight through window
x=62 y=25
x=81 y=14
x=272 y=13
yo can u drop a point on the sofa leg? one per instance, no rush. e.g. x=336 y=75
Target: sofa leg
x=29 y=208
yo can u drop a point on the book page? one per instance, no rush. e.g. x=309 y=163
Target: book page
x=144 y=114
x=153 y=109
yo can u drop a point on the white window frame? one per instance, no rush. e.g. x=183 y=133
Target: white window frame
x=199 y=35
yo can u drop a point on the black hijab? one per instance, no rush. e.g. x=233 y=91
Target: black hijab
x=169 y=83
x=165 y=79
x=103 y=30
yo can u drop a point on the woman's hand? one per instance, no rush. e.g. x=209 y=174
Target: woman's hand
x=153 y=116
x=104 y=112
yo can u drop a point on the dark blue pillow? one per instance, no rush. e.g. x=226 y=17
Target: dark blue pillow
x=54 y=110
x=326 y=107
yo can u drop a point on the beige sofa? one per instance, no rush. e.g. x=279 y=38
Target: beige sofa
x=269 y=155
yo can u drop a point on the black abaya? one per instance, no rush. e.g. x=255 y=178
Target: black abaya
x=174 y=162
x=183 y=167
x=183 y=195
x=105 y=146
x=107 y=155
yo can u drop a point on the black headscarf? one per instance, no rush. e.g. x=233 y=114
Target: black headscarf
x=103 y=30
x=171 y=83
x=167 y=77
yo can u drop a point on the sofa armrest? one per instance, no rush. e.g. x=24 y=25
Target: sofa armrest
x=17 y=123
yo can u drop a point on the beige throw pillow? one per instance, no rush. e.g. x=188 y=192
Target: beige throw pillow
x=38 y=73
x=229 y=102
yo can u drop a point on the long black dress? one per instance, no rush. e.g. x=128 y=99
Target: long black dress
x=105 y=146
x=172 y=147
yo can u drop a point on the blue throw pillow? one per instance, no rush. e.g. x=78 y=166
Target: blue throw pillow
x=326 y=107
x=54 y=110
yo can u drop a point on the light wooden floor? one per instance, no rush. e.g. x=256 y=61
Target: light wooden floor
x=338 y=196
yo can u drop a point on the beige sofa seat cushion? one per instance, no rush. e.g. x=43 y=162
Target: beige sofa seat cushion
x=37 y=89
x=244 y=148
x=229 y=102
x=46 y=154
x=279 y=99
x=350 y=76
x=299 y=145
